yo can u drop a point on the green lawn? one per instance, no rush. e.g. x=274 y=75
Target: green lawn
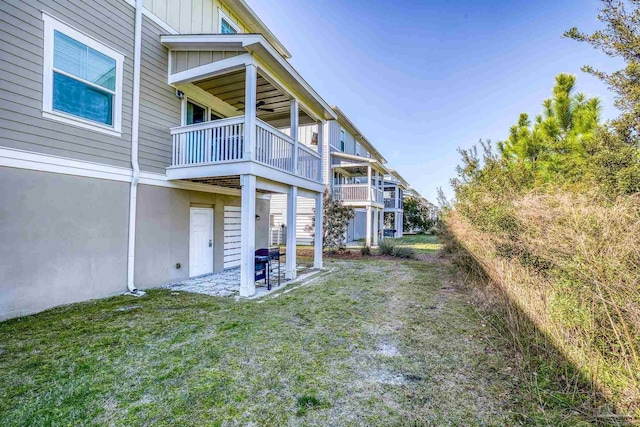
x=421 y=243
x=372 y=342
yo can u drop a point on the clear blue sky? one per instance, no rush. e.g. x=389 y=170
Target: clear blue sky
x=421 y=78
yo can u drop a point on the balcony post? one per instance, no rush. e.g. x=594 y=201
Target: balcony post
x=376 y=225
x=250 y=111
x=248 y=236
x=292 y=205
x=369 y=183
x=319 y=233
x=367 y=240
x=324 y=179
x=295 y=121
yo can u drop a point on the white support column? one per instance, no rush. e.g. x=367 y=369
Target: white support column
x=295 y=122
x=292 y=205
x=376 y=225
x=321 y=173
x=319 y=233
x=250 y=111
x=369 y=183
x=367 y=240
x=248 y=236
x=326 y=153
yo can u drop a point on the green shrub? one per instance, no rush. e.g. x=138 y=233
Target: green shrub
x=386 y=247
x=403 y=252
x=365 y=250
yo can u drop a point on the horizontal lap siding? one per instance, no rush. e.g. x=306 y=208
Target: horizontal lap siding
x=232 y=235
x=304 y=217
x=159 y=107
x=22 y=126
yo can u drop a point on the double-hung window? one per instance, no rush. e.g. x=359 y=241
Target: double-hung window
x=342 y=142
x=82 y=83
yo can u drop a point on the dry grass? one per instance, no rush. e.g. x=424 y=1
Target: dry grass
x=573 y=269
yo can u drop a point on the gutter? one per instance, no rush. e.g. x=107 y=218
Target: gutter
x=135 y=130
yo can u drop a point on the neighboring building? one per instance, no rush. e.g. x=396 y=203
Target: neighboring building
x=140 y=143
x=394 y=186
x=353 y=170
x=411 y=193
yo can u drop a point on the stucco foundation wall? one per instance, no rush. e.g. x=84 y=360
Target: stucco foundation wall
x=63 y=239
x=162 y=232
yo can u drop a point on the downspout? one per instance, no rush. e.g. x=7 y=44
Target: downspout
x=135 y=126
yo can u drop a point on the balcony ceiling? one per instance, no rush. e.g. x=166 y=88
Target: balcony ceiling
x=230 y=88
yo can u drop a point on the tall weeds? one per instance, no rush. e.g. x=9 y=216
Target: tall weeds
x=570 y=263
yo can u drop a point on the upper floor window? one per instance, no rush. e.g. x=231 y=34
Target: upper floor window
x=342 y=141
x=82 y=79
x=226 y=24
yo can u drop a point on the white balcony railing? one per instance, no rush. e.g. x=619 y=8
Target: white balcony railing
x=209 y=142
x=223 y=141
x=357 y=193
x=309 y=163
x=273 y=147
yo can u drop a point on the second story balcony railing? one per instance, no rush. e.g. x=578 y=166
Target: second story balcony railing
x=222 y=141
x=357 y=193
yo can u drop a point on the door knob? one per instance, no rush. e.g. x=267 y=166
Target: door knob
x=210 y=243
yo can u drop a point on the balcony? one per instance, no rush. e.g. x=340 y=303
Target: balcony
x=357 y=194
x=198 y=149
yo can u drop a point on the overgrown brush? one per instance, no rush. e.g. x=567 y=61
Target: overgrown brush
x=570 y=265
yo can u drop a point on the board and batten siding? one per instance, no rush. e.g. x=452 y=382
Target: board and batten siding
x=185 y=60
x=160 y=108
x=232 y=236
x=191 y=16
x=111 y=22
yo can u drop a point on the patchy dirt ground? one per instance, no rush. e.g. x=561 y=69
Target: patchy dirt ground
x=375 y=342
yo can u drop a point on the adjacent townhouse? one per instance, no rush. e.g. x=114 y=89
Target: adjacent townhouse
x=354 y=172
x=394 y=187
x=141 y=142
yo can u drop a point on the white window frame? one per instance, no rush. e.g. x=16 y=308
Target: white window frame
x=221 y=16
x=51 y=25
x=198 y=102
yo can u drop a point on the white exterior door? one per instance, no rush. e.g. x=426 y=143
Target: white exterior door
x=201 y=242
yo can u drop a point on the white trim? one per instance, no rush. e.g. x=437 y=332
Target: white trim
x=248 y=42
x=79 y=122
x=221 y=16
x=210 y=70
x=20 y=159
x=52 y=24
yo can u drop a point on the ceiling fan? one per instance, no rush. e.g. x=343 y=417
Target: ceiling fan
x=259 y=107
